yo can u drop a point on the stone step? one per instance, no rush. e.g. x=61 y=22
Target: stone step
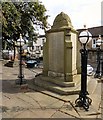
x=55 y=88
x=58 y=82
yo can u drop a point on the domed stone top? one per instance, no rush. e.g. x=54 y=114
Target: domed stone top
x=62 y=20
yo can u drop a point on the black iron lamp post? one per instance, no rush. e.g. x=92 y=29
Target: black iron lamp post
x=98 y=73
x=83 y=100
x=20 y=43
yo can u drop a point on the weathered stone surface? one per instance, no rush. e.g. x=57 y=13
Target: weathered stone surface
x=62 y=20
x=56 y=52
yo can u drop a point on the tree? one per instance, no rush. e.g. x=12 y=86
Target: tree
x=10 y=19
x=20 y=17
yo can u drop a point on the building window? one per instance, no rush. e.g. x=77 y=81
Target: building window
x=93 y=43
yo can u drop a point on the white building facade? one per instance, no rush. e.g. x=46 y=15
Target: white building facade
x=37 y=49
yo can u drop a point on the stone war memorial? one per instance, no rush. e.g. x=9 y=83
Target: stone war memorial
x=61 y=58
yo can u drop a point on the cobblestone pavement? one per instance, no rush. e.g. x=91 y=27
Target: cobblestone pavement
x=30 y=103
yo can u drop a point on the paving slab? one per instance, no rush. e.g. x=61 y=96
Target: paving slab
x=6 y=115
x=26 y=114
x=45 y=113
x=62 y=115
x=44 y=100
x=68 y=109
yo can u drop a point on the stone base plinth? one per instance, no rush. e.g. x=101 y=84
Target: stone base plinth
x=57 y=85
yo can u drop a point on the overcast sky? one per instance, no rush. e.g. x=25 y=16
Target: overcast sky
x=80 y=11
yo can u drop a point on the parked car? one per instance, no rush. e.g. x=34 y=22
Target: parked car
x=31 y=63
x=90 y=70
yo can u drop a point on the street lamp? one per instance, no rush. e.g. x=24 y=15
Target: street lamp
x=83 y=100
x=98 y=73
x=20 y=43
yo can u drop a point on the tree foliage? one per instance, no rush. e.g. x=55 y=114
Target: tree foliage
x=21 y=17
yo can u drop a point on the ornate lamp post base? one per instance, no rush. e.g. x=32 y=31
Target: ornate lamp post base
x=83 y=101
